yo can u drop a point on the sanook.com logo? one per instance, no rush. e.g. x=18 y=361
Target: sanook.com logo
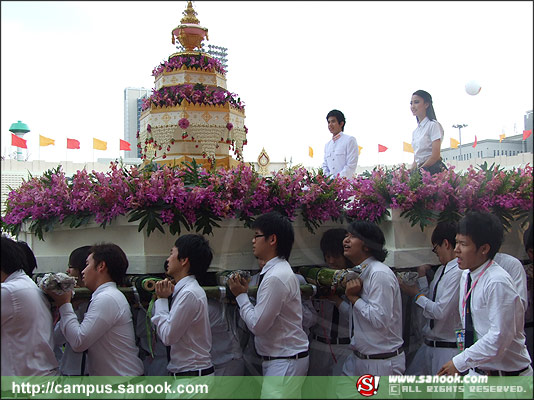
x=367 y=385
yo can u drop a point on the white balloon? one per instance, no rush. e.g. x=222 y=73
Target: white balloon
x=472 y=88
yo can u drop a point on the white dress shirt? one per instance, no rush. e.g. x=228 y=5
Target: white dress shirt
x=325 y=309
x=377 y=314
x=27 y=329
x=186 y=327
x=309 y=316
x=276 y=320
x=498 y=320
x=427 y=131
x=341 y=156
x=444 y=311
x=107 y=333
x=328 y=358
x=71 y=361
x=225 y=344
x=517 y=272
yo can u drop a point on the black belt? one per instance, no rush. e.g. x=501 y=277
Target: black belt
x=321 y=339
x=381 y=356
x=437 y=343
x=196 y=372
x=499 y=373
x=295 y=357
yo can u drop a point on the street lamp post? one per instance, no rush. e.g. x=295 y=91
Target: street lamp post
x=460 y=126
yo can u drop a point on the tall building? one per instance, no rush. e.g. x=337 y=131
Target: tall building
x=132 y=113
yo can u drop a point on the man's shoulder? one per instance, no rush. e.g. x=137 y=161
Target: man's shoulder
x=110 y=294
x=381 y=271
x=507 y=261
x=192 y=289
x=497 y=275
x=282 y=271
x=19 y=282
x=347 y=136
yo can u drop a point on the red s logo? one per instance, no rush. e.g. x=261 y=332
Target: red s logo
x=367 y=385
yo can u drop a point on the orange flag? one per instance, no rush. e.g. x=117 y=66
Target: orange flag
x=501 y=137
x=454 y=143
x=99 y=144
x=44 y=141
x=310 y=151
x=360 y=150
x=407 y=147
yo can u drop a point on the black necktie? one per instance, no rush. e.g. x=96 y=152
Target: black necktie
x=335 y=323
x=84 y=355
x=469 y=329
x=169 y=299
x=434 y=295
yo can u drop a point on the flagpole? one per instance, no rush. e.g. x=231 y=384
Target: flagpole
x=500 y=151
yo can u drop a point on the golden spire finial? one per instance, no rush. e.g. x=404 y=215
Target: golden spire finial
x=189 y=15
x=189 y=32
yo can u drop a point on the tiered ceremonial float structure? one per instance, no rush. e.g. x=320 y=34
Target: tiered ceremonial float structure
x=191 y=114
x=192 y=117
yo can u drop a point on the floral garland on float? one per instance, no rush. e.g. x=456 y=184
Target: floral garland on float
x=191 y=197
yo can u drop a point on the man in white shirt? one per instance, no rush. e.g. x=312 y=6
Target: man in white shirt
x=26 y=328
x=185 y=325
x=515 y=268
x=439 y=303
x=377 y=306
x=490 y=307
x=106 y=332
x=329 y=345
x=70 y=363
x=276 y=320
x=341 y=152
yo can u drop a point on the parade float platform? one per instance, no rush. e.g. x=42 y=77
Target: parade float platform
x=407 y=245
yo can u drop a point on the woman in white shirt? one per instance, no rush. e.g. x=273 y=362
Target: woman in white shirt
x=427 y=137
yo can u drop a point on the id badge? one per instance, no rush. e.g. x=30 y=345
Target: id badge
x=460 y=339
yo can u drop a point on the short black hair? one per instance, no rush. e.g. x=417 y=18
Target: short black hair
x=372 y=236
x=482 y=228
x=78 y=257
x=30 y=263
x=12 y=257
x=274 y=223
x=332 y=241
x=528 y=239
x=444 y=230
x=198 y=250
x=115 y=259
x=339 y=116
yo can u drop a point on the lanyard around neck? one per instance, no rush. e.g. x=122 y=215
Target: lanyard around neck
x=466 y=295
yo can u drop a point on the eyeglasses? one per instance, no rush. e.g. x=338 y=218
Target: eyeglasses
x=257 y=236
x=434 y=249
